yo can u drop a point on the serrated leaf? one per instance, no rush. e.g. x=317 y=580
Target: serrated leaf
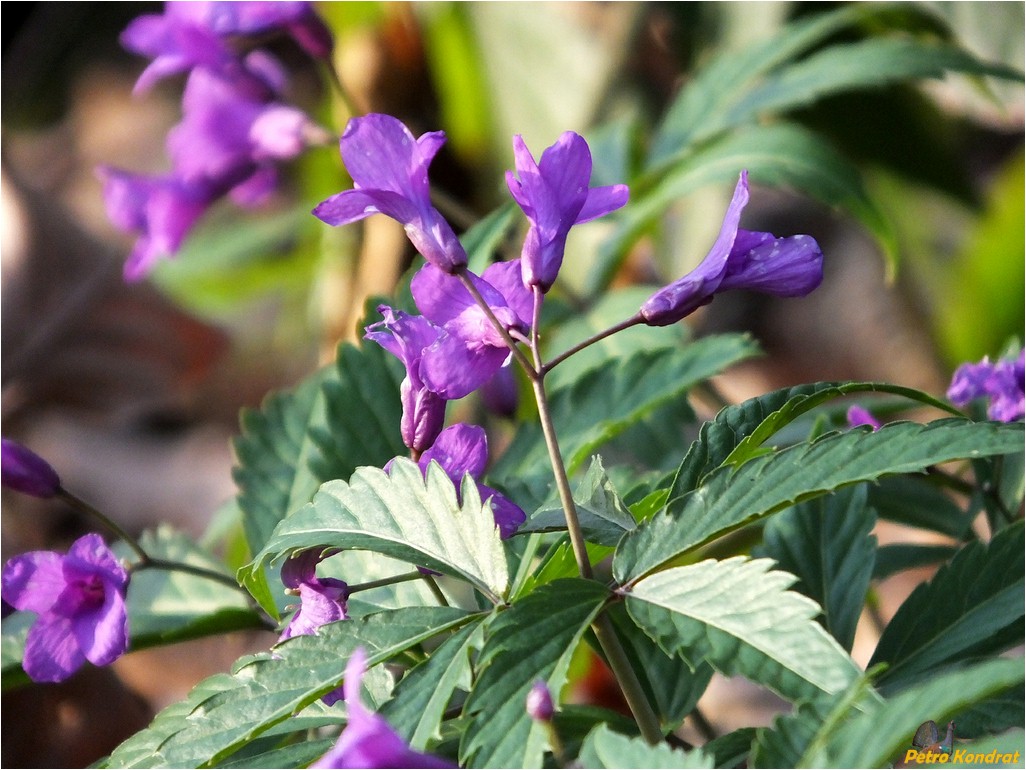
x=731 y=750
x=421 y=697
x=826 y=544
x=874 y=739
x=604 y=748
x=534 y=639
x=920 y=502
x=737 y=615
x=344 y=416
x=299 y=754
x=602 y=403
x=731 y=498
x=603 y=516
x=897 y=557
x=407 y=516
x=972 y=607
x=225 y=712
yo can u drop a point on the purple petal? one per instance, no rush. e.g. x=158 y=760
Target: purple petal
x=531 y=192
x=505 y=278
x=351 y=205
x=441 y=297
x=33 y=581
x=278 y=133
x=24 y=471
x=858 y=416
x=301 y=568
x=539 y=702
x=508 y=515
x=51 y=651
x=321 y=601
x=92 y=551
x=460 y=449
x=785 y=267
x=970 y=382
x=380 y=153
x=255 y=190
x=602 y=200
x=501 y=394
x=566 y=169
x=103 y=635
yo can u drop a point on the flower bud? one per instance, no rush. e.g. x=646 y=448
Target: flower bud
x=25 y=471
x=539 y=702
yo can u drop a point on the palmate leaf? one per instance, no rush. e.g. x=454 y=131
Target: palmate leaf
x=602 y=403
x=738 y=616
x=533 y=639
x=730 y=498
x=345 y=416
x=826 y=544
x=225 y=712
x=972 y=607
x=405 y=515
x=607 y=749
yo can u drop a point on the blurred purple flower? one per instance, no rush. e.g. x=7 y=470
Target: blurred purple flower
x=859 y=416
x=500 y=394
x=389 y=171
x=461 y=449
x=367 y=739
x=191 y=34
x=406 y=336
x=1001 y=382
x=24 y=471
x=554 y=195
x=470 y=350
x=740 y=259
x=80 y=602
x=539 y=702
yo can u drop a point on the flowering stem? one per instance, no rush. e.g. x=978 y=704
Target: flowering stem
x=518 y=354
x=646 y=718
x=403 y=578
x=177 y=566
x=77 y=502
x=632 y=321
x=435 y=590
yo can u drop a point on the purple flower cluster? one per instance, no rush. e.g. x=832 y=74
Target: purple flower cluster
x=79 y=599
x=1002 y=383
x=234 y=128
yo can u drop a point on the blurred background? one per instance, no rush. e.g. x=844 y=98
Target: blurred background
x=133 y=391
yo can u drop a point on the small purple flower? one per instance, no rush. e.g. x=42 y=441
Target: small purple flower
x=539 y=702
x=80 y=602
x=500 y=394
x=405 y=337
x=1001 y=382
x=554 y=195
x=24 y=471
x=859 y=416
x=469 y=351
x=367 y=739
x=322 y=600
x=389 y=171
x=740 y=259
x=461 y=449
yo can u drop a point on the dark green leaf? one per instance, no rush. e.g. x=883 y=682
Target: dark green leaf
x=919 y=501
x=732 y=497
x=298 y=754
x=731 y=750
x=533 y=639
x=891 y=559
x=604 y=748
x=738 y=616
x=827 y=544
x=972 y=607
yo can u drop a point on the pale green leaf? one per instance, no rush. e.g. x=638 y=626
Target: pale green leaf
x=604 y=748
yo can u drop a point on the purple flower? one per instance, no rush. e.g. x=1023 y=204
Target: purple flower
x=554 y=195
x=389 y=171
x=24 y=471
x=160 y=209
x=367 y=739
x=80 y=602
x=405 y=337
x=469 y=351
x=500 y=394
x=858 y=416
x=461 y=449
x=1001 y=382
x=539 y=702
x=740 y=259
x=322 y=600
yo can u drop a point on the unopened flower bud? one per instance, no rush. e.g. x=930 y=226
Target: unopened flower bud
x=24 y=471
x=539 y=702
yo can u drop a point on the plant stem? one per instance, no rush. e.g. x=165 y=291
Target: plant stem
x=191 y=569
x=435 y=589
x=632 y=321
x=343 y=93
x=646 y=718
x=703 y=725
x=380 y=583
x=518 y=354
x=77 y=502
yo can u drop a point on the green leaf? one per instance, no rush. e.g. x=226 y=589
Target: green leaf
x=737 y=615
x=670 y=684
x=225 y=712
x=483 y=239
x=920 y=502
x=299 y=754
x=603 y=516
x=732 y=497
x=421 y=697
x=972 y=607
x=895 y=558
x=13 y=632
x=344 y=416
x=534 y=639
x=731 y=750
x=826 y=544
x=1009 y=748
x=604 y=748
x=874 y=739
x=407 y=516
x=574 y=722
x=602 y=403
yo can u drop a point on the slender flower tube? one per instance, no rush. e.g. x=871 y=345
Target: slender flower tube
x=1001 y=382
x=405 y=337
x=24 y=471
x=80 y=602
x=555 y=196
x=469 y=350
x=740 y=259
x=367 y=739
x=389 y=170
